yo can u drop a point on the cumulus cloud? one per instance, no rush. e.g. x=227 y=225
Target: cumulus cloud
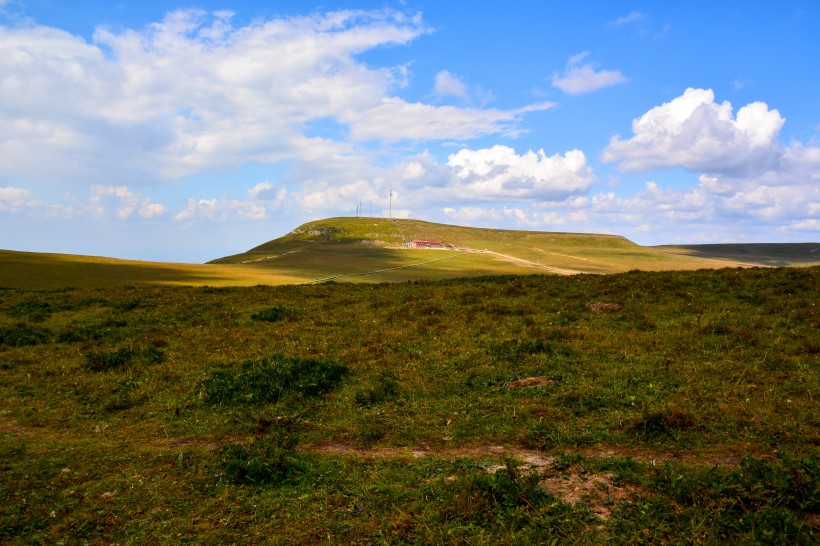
x=582 y=77
x=746 y=173
x=496 y=174
x=694 y=132
x=499 y=173
x=195 y=91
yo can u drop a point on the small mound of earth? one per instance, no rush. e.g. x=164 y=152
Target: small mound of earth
x=537 y=381
x=595 y=490
x=602 y=306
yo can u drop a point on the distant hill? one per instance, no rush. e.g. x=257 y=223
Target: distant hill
x=771 y=254
x=373 y=250
x=346 y=248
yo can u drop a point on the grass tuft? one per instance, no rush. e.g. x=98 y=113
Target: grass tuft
x=101 y=361
x=269 y=380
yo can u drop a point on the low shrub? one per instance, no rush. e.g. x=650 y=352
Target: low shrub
x=22 y=335
x=271 y=460
x=38 y=311
x=271 y=379
x=501 y=498
x=100 y=361
x=126 y=305
x=272 y=314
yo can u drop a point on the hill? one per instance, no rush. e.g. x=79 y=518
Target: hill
x=352 y=246
x=36 y=270
x=770 y=254
x=372 y=250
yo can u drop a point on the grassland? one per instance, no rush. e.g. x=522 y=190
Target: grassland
x=51 y=271
x=770 y=254
x=356 y=244
x=670 y=407
x=372 y=250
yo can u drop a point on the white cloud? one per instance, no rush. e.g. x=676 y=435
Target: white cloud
x=626 y=19
x=265 y=191
x=195 y=92
x=499 y=173
x=11 y=194
x=694 y=132
x=812 y=224
x=747 y=174
x=583 y=78
x=449 y=85
x=395 y=120
x=261 y=199
x=12 y=199
x=467 y=177
x=123 y=201
x=152 y=210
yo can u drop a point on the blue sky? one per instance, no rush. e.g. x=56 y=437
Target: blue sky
x=187 y=131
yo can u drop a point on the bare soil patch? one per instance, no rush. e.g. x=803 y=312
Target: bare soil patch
x=598 y=491
x=602 y=306
x=537 y=381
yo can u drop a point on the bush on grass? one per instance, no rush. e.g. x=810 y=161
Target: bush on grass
x=268 y=380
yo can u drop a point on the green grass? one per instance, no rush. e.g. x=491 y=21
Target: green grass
x=349 y=245
x=370 y=250
x=55 y=271
x=770 y=254
x=682 y=405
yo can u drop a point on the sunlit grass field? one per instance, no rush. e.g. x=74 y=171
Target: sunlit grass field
x=359 y=250
x=639 y=407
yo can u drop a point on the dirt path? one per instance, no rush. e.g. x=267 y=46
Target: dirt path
x=601 y=492
x=508 y=258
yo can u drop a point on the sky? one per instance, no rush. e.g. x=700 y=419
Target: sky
x=189 y=130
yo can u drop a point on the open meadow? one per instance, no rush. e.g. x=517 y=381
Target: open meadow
x=638 y=407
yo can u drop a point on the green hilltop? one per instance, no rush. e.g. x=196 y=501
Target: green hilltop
x=350 y=247
x=373 y=250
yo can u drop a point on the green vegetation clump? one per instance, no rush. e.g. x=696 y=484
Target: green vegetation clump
x=755 y=503
x=21 y=335
x=272 y=314
x=100 y=361
x=269 y=380
x=385 y=388
x=271 y=460
x=37 y=311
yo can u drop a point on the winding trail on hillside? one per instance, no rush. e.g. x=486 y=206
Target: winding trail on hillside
x=559 y=270
x=379 y=270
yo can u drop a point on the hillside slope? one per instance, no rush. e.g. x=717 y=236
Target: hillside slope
x=770 y=254
x=338 y=246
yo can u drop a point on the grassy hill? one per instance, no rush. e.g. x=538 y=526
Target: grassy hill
x=49 y=271
x=769 y=254
x=372 y=250
x=336 y=246
x=673 y=407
